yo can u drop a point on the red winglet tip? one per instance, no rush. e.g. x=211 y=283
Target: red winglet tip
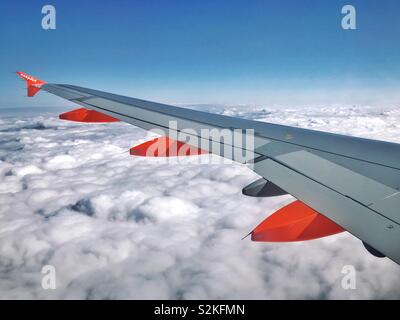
x=33 y=84
x=295 y=222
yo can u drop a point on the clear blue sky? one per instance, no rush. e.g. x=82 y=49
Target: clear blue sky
x=200 y=51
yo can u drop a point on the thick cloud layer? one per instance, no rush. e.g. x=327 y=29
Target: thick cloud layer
x=117 y=226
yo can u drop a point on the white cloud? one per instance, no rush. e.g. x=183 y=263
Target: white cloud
x=117 y=226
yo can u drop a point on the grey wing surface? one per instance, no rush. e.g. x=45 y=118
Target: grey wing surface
x=355 y=182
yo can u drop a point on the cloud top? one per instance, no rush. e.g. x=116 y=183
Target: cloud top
x=117 y=226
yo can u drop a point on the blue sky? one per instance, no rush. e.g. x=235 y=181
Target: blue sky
x=281 y=52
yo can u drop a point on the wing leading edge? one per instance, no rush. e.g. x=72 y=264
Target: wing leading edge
x=352 y=181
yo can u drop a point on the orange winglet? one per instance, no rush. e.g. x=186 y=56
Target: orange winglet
x=295 y=222
x=33 y=84
x=165 y=147
x=85 y=115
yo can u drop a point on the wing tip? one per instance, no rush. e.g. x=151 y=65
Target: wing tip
x=33 y=84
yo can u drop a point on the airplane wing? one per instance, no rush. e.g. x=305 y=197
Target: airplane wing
x=340 y=182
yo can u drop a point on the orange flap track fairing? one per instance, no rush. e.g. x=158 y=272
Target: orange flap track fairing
x=295 y=222
x=165 y=147
x=86 y=115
